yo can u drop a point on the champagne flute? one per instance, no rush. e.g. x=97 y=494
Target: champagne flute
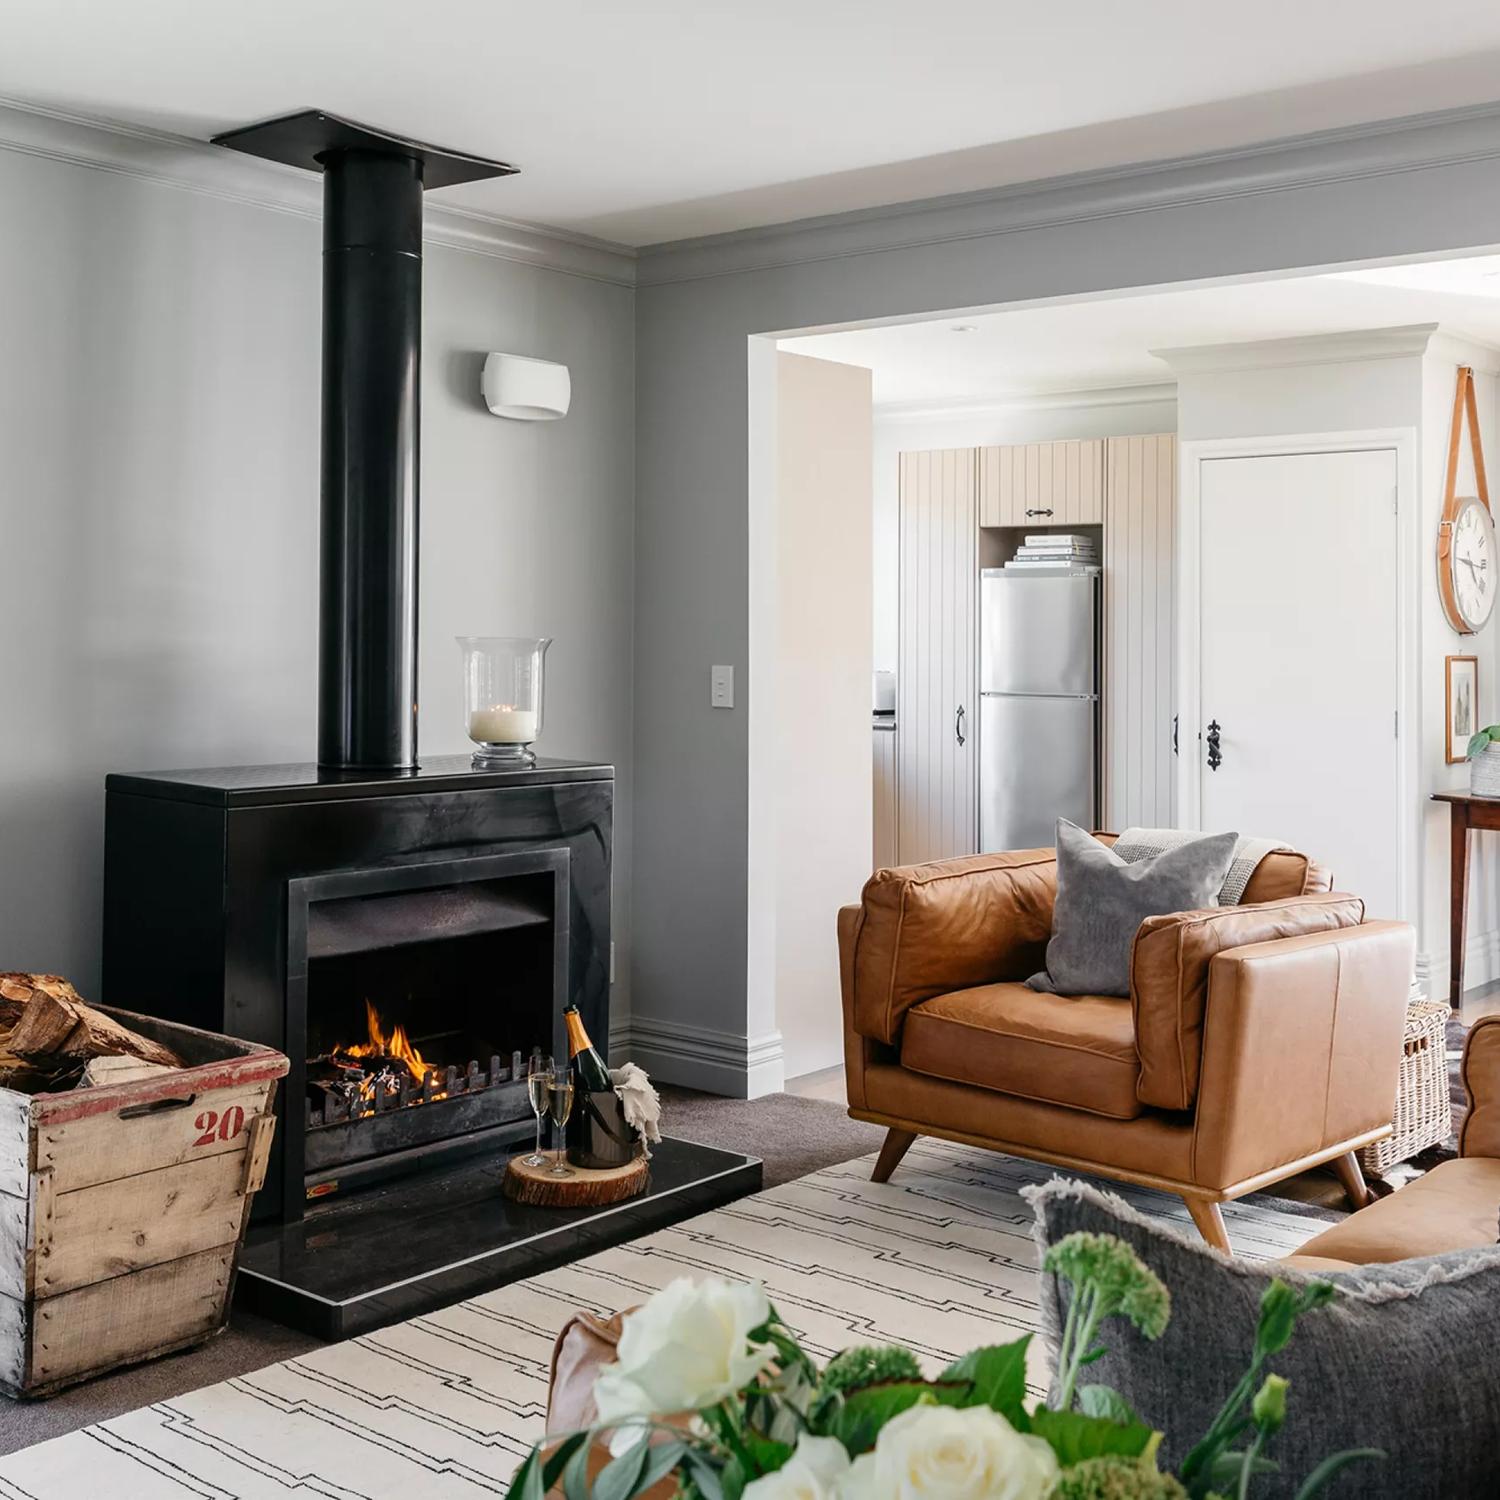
x=560 y=1100
x=539 y=1072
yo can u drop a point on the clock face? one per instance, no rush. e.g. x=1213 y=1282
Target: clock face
x=1473 y=563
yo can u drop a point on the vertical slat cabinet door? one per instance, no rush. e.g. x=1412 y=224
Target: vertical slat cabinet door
x=992 y=483
x=1086 y=503
x=935 y=685
x=1140 y=519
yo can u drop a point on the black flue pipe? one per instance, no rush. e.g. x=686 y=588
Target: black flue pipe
x=372 y=348
x=372 y=353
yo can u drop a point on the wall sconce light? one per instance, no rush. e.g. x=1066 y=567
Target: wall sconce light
x=527 y=390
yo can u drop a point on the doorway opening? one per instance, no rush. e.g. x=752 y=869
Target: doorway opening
x=1026 y=441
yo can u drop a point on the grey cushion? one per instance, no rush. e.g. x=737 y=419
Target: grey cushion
x=1404 y=1357
x=1101 y=901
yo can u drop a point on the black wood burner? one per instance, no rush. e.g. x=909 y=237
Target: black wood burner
x=405 y=939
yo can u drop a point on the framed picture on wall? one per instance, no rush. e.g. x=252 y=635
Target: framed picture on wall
x=1462 y=679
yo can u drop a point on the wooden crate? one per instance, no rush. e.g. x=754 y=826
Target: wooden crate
x=122 y=1209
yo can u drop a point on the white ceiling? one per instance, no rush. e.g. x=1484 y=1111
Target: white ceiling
x=1090 y=345
x=648 y=120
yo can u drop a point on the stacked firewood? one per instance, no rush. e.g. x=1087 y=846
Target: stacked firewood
x=51 y=1038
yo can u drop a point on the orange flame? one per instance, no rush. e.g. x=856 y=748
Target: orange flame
x=396 y=1045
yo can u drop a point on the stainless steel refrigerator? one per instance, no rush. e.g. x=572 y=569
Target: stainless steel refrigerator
x=1038 y=705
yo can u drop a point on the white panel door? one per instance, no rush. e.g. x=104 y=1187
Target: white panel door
x=935 y=679
x=1299 y=659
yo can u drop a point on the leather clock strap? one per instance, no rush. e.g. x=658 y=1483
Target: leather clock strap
x=1464 y=401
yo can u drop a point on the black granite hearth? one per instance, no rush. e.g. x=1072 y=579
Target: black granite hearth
x=411 y=1246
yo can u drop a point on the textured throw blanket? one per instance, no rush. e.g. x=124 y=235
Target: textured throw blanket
x=1144 y=843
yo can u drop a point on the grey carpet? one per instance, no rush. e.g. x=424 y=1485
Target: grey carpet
x=793 y=1136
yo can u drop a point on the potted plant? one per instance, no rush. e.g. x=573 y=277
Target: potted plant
x=1484 y=762
x=759 y=1419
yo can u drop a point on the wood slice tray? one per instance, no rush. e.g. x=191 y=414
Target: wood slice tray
x=584 y=1189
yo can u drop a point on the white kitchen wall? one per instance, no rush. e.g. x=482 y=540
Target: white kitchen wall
x=1090 y=414
x=816 y=790
x=159 y=410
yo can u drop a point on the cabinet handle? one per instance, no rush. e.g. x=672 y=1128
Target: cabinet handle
x=1215 y=760
x=1039 y=512
x=1174 y=734
x=958 y=724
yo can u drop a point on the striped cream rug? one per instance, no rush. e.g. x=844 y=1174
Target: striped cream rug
x=445 y=1406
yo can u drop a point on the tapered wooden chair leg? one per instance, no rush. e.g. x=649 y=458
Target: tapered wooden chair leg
x=1351 y=1177
x=897 y=1143
x=1209 y=1218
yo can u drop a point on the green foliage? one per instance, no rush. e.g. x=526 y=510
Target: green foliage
x=1100 y=1401
x=1113 y=1477
x=1268 y=1410
x=1208 y=1465
x=1075 y=1437
x=1479 y=743
x=1318 y=1480
x=866 y=1365
x=1106 y=1278
x=858 y=1421
x=996 y=1377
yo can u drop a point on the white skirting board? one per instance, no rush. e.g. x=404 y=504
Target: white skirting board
x=1481 y=964
x=698 y=1057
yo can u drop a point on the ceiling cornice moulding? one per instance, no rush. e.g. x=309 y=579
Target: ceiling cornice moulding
x=1308 y=349
x=1085 y=399
x=1410 y=143
x=177 y=161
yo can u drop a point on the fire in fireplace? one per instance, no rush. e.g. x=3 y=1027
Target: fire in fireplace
x=385 y=1071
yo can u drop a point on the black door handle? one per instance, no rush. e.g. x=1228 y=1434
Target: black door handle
x=1215 y=760
x=958 y=724
x=1174 y=734
x=1038 y=512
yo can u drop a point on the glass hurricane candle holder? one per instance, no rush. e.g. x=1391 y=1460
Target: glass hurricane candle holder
x=503 y=696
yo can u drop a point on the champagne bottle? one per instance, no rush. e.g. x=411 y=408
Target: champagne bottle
x=589 y=1073
x=597 y=1134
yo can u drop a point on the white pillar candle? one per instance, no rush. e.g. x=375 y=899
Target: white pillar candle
x=502 y=725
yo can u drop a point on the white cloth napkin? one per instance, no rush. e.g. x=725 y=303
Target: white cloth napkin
x=642 y=1103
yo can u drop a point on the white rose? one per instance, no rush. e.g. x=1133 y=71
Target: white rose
x=686 y=1348
x=942 y=1453
x=811 y=1473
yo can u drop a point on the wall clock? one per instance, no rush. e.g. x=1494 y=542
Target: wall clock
x=1467 y=557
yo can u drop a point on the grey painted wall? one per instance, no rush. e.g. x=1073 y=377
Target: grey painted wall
x=1216 y=218
x=158 y=513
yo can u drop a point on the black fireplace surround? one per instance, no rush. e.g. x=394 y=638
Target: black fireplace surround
x=275 y=903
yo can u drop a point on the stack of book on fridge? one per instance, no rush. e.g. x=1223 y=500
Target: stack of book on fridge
x=1056 y=549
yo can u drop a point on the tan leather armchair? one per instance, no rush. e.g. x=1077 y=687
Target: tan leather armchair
x=1455 y=1206
x=1257 y=1040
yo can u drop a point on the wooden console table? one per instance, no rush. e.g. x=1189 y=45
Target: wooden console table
x=1465 y=812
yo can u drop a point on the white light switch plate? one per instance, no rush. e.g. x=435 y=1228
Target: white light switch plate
x=721 y=690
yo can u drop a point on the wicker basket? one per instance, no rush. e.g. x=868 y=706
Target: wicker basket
x=1424 y=1112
